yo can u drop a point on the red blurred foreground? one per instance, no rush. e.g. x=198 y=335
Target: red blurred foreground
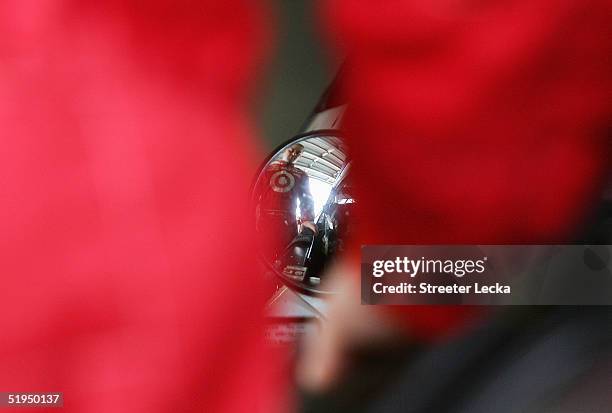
x=125 y=165
x=475 y=122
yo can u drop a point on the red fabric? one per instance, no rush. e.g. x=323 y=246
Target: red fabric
x=124 y=168
x=475 y=121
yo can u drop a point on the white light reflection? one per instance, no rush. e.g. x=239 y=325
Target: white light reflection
x=320 y=192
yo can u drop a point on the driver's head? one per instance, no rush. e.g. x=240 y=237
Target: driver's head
x=293 y=152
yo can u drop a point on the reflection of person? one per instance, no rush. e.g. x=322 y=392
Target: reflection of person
x=283 y=189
